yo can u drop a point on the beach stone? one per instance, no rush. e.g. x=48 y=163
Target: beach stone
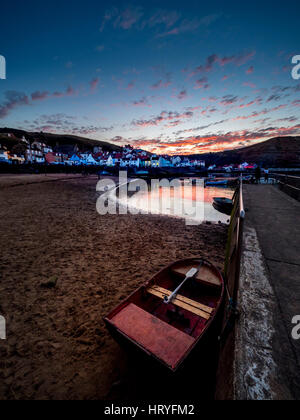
x=50 y=283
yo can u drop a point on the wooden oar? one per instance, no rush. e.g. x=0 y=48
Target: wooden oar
x=189 y=275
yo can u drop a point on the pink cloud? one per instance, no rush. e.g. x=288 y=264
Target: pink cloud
x=39 y=96
x=141 y=102
x=13 y=100
x=249 y=84
x=130 y=86
x=201 y=83
x=94 y=84
x=246 y=105
x=128 y=17
x=182 y=95
x=214 y=59
x=160 y=84
x=259 y=113
x=163 y=116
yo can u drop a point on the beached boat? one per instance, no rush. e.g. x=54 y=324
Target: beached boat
x=223 y=205
x=167 y=317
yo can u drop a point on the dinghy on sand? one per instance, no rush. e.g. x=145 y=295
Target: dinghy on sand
x=167 y=317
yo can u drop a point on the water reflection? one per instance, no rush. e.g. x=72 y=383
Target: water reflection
x=191 y=202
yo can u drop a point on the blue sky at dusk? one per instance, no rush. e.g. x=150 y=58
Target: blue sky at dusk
x=168 y=76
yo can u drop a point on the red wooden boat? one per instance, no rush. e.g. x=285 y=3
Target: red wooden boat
x=166 y=325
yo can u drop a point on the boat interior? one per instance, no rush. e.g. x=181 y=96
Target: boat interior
x=155 y=325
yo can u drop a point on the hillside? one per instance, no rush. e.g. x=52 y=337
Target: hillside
x=275 y=152
x=62 y=141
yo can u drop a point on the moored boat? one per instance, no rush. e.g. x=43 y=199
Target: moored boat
x=219 y=182
x=167 y=317
x=223 y=205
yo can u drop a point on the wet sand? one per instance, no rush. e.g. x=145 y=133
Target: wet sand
x=62 y=268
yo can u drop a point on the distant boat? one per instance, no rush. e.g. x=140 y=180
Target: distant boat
x=167 y=317
x=223 y=205
x=142 y=173
x=219 y=182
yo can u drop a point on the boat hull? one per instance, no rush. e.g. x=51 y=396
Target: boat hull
x=169 y=333
x=216 y=183
x=223 y=205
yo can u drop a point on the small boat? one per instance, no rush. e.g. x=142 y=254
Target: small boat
x=167 y=317
x=219 y=182
x=142 y=173
x=223 y=205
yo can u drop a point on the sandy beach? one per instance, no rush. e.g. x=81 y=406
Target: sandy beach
x=62 y=268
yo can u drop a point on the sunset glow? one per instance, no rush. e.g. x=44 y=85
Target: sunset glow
x=168 y=78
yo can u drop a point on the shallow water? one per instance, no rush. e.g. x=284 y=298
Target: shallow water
x=192 y=202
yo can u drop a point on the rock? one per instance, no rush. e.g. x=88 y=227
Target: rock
x=56 y=346
x=85 y=342
x=50 y=283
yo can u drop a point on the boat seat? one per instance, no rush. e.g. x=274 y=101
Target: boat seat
x=183 y=302
x=204 y=275
x=155 y=336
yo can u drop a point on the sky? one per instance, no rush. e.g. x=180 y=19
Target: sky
x=170 y=77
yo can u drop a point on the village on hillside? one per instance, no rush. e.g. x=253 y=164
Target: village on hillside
x=39 y=153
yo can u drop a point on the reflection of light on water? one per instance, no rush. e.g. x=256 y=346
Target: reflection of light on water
x=167 y=202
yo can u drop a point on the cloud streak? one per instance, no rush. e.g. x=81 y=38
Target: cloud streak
x=162 y=117
x=214 y=59
x=13 y=99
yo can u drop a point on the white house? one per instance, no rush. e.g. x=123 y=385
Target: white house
x=164 y=163
x=3 y=156
x=135 y=162
x=176 y=160
x=145 y=161
x=186 y=162
x=75 y=160
x=243 y=165
x=110 y=161
x=155 y=161
x=47 y=149
x=198 y=163
x=24 y=140
x=97 y=149
x=16 y=158
x=124 y=162
x=90 y=160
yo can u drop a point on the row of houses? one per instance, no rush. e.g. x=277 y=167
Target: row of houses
x=127 y=157
x=25 y=152
x=134 y=160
